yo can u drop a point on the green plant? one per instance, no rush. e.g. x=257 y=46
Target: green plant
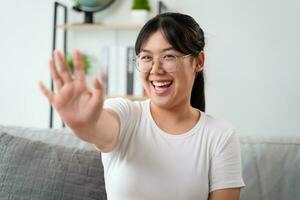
x=140 y=5
x=86 y=63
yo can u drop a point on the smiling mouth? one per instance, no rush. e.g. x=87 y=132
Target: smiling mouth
x=161 y=84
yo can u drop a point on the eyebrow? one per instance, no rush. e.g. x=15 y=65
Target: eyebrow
x=166 y=49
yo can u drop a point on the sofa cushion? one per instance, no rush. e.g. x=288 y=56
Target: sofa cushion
x=35 y=170
x=56 y=136
x=271 y=168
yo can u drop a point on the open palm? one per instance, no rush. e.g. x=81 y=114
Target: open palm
x=76 y=104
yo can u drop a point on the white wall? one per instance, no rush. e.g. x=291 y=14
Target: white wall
x=24 y=50
x=252 y=67
x=252 y=63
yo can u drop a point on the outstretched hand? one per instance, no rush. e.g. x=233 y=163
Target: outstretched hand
x=76 y=104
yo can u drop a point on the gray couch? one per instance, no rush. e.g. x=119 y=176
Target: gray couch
x=55 y=164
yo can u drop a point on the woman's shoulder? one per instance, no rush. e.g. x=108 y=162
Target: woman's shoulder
x=216 y=125
x=219 y=132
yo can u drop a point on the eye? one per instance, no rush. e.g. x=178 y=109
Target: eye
x=145 y=58
x=169 y=57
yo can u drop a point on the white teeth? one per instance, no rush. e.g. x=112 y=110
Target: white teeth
x=159 y=84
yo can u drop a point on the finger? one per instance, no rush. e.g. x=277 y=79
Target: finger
x=65 y=73
x=78 y=66
x=98 y=91
x=46 y=92
x=97 y=83
x=58 y=82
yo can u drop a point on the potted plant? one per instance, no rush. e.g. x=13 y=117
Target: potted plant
x=140 y=10
x=86 y=63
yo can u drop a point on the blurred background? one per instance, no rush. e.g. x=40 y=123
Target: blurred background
x=252 y=64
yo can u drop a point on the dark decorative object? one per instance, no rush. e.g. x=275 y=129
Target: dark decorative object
x=162 y=7
x=89 y=7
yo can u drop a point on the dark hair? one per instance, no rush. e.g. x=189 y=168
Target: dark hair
x=186 y=36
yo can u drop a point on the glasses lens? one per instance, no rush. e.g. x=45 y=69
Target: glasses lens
x=168 y=64
x=142 y=66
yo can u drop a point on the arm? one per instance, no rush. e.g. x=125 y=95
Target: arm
x=226 y=170
x=81 y=107
x=105 y=134
x=225 y=194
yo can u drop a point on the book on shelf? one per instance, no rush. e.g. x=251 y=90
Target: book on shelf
x=130 y=54
x=118 y=73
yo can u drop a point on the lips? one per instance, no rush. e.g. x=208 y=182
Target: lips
x=161 y=87
x=161 y=84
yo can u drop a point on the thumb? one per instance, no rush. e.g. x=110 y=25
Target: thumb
x=49 y=94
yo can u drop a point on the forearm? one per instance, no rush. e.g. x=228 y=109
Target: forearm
x=103 y=133
x=225 y=194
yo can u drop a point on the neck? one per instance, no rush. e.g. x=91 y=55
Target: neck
x=174 y=114
x=175 y=120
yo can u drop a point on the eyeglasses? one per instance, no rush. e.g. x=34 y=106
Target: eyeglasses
x=144 y=63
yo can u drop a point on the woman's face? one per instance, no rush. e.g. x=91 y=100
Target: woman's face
x=168 y=89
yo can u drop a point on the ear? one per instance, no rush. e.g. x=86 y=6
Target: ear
x=200 y=61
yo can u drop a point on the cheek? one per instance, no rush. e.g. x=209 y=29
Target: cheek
x=144 y=79
x=185 y=81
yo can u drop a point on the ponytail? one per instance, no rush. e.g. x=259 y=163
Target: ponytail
x=198 y=95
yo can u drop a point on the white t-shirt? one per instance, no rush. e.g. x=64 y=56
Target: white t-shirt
x=149 y=163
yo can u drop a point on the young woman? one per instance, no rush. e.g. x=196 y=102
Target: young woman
x=165 y=147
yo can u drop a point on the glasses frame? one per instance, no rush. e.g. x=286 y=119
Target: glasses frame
x=159 y=58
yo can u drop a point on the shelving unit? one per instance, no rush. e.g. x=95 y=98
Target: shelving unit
x=100 y=26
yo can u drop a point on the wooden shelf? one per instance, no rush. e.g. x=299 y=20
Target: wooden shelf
x=100 y=26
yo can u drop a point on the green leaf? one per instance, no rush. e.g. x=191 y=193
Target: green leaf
x=86 y=63
x=140 y=5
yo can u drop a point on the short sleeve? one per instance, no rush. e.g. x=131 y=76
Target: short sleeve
x=225 y=166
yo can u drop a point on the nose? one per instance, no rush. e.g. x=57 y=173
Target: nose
x=157 y=67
